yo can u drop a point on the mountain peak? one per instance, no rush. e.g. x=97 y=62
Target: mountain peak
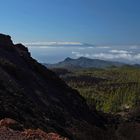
x=68 y=59
x=5 y=40
x=6 y=44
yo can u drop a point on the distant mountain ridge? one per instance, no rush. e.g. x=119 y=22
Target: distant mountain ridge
x=84 y=62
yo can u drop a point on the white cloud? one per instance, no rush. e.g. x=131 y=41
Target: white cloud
x=53 y=43
x=110 y=56
x=73 y=52
x=104 y=47
x=137 y=57
x=119 y=51
x=81 y=48
x=133 y=47
x=90 y=47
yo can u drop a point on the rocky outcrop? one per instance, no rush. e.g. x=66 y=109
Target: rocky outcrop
x=6 y=42
x=7 y=132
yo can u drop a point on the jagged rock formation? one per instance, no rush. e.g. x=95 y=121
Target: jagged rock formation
x=36 y=98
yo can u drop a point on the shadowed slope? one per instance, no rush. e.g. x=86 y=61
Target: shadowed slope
x=35 y=97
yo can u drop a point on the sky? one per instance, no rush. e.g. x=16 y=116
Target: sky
x=90 y=21
x=113 y=23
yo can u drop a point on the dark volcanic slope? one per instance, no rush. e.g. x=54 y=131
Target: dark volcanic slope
x=37 y=98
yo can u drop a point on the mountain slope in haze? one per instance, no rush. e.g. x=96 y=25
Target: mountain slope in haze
x=84 y=62
x=35 y=97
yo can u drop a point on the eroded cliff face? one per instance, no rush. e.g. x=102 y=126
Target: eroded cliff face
x=36 y=98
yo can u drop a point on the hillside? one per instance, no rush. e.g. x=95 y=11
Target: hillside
x=110 y=90
x=114 y=92
x=83 y=62
x=36 y=98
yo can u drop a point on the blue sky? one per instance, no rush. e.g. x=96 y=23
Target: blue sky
x=56 y=29
x=91 y=21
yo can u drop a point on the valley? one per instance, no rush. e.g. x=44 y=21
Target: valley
x=61 y=104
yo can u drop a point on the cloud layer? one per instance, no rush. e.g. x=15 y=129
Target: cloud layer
x=114 y=54
x=60 y=50
x=54 y=44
